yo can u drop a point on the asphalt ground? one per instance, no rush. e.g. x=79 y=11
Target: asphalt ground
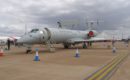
x=17 y=65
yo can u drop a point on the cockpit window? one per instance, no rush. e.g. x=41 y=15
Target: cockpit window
x=34 y=30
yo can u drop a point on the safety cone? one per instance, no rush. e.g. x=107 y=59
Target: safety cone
x=77 y=53
x=36 y=58
x=1 y=52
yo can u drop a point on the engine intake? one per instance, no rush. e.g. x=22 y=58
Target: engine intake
x=92 y=33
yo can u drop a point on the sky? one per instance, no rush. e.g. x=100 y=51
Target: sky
x=113 y=15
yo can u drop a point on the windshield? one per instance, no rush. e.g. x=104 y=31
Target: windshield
x=34 y=30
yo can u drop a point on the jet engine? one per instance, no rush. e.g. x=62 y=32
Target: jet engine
x=92 y=33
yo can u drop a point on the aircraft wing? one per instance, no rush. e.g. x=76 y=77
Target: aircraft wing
x=78 y=40
x=95 y=39
x=100 y=38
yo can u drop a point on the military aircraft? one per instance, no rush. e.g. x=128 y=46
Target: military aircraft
x=51 y=36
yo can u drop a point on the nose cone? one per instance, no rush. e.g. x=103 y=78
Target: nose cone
x=30 y=38
x=33 y=37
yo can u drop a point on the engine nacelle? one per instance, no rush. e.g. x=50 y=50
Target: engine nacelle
x=92 y=33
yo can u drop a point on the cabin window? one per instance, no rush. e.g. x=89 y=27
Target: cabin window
x=34 y=30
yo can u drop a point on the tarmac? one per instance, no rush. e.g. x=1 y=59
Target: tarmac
x=61 y=65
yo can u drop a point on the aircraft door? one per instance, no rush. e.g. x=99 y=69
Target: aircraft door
x=48 y=33
x=43 y=36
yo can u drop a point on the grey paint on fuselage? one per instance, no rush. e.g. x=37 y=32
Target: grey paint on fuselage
x=56 y=35
x=62 y=35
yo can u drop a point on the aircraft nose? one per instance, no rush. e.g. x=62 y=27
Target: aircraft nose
x=28 y=39
x=31 y=38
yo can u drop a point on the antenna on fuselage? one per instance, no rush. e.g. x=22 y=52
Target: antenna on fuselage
x=59 y=24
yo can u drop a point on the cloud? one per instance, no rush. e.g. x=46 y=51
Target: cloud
x=16 y=13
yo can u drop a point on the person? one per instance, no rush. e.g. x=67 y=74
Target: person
x=84 y=45
x=8 y=43
x=114 y=49
x=91 y=44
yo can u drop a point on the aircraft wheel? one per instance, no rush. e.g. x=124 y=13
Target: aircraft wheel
x=66 y=46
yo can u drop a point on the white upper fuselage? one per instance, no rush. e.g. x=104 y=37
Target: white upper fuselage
x=54 y=35
x=63 y=35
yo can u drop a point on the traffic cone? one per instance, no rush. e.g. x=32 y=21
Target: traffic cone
x=1 y=52
x=36 y=58
x=77 y=53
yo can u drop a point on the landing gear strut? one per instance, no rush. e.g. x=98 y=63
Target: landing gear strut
x=66 y=46
x=29 y=50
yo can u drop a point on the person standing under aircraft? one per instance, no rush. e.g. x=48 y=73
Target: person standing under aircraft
x=114 y=49
x=8 y=43
x=29 y=50
x=84 y=45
